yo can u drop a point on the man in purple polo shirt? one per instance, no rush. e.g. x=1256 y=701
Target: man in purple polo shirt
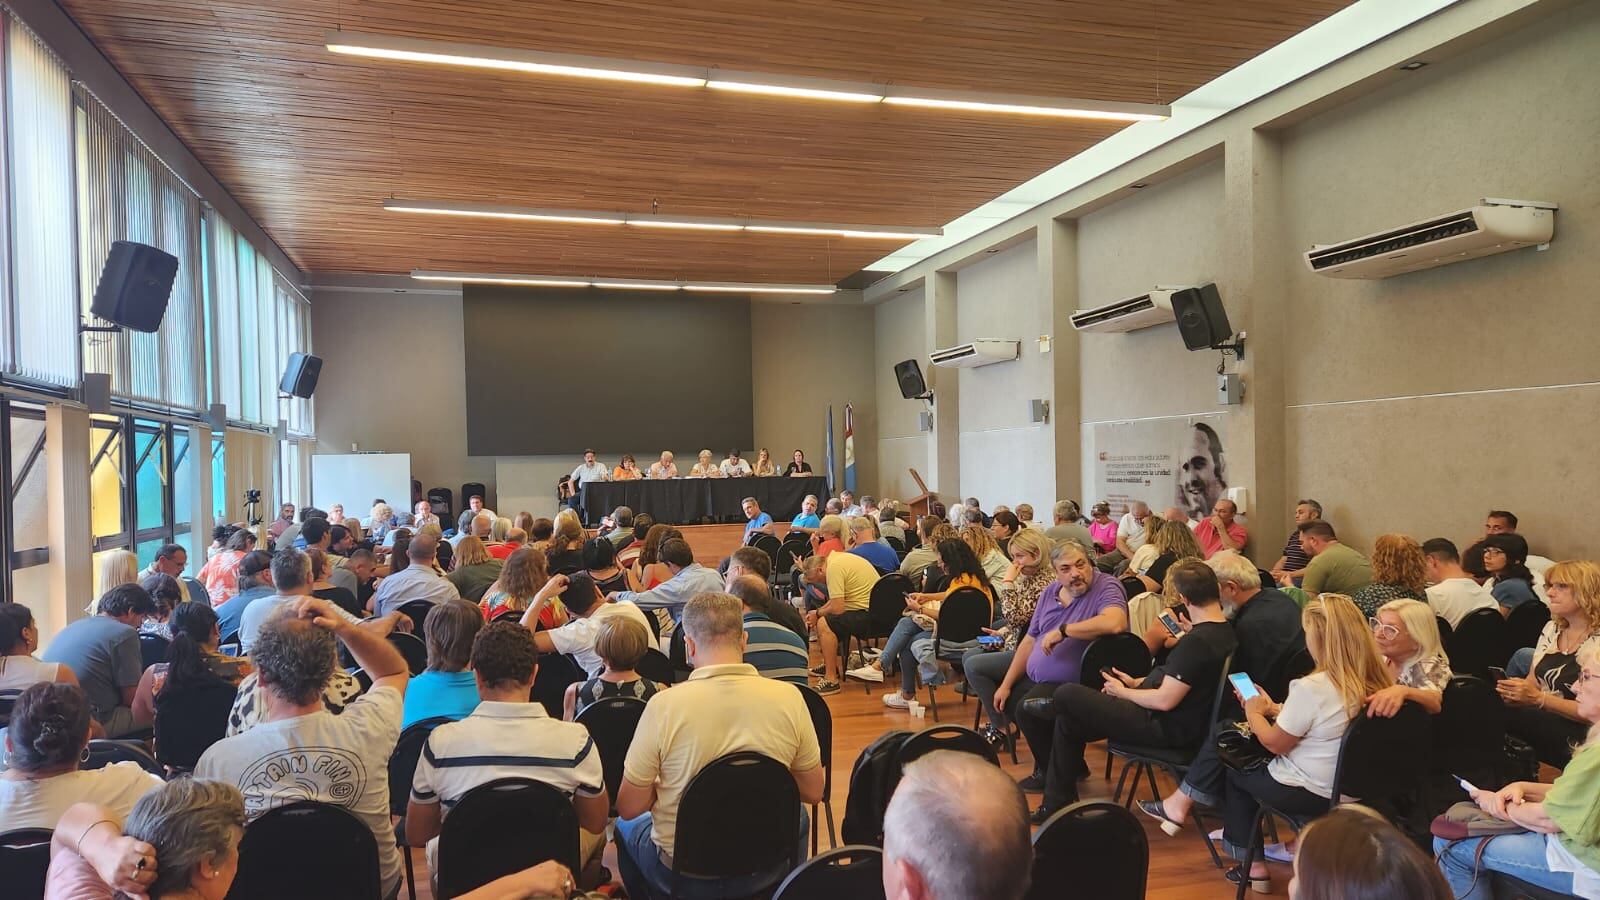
x=1082 y=604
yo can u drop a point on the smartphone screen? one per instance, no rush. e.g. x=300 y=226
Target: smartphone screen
x=991 y=640
x=1241 y=683
x=1168 y=620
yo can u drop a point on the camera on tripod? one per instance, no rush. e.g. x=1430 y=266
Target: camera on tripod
x=252 y=503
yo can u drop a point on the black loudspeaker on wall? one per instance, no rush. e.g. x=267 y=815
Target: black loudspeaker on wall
x=909 y=374
x=134 y=286
x=1201 y=319
x=300 y=375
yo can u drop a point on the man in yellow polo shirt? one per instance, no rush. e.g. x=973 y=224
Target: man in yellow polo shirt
x=849 y=579
x=725 y=707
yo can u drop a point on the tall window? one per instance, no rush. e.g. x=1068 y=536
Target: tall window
x=132 y=485
x=219 y=481
x=25 y=513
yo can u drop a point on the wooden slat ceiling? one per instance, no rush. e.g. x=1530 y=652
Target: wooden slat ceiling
x=311 y=142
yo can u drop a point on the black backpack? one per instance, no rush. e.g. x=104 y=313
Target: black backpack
x=873 y=779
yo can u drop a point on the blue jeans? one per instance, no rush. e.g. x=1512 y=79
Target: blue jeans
x=897 y=652
x=1518 y=855
x=1520 y=664
x=646 y=876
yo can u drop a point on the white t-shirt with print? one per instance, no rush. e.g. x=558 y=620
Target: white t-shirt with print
x=342 y=760
x=39 y=804
x=577 y=637
x=1316 y=714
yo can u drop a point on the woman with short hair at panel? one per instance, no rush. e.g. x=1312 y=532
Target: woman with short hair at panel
x=763 y=467
x=627 y=469
x=1558 y=844
x=706 y=467
x=1543 y=707
x=45 y=741
x=1399 y=572
x=798 y=467
x=1505 y=557
x=1305 y=732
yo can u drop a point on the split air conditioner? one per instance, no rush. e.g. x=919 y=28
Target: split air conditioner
x=1143 y=311
x=1493 y=226
x=976 y=353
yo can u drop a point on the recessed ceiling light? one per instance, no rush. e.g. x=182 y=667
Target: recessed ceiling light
x=1412 y=66
x=654 y=220
x=628 y=284
x=1139 y=185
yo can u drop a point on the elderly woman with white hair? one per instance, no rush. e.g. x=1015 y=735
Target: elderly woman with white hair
x=705 y=467
x=1407 y=632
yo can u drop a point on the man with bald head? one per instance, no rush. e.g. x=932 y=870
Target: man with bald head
x=418 y=581
x=956 y=827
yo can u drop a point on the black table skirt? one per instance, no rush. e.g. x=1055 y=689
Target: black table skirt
x=682 y=501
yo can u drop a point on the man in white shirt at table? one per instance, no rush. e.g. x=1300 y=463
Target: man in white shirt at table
x=591 y=470
x=734 y=467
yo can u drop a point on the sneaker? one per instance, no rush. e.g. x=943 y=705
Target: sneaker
x=819 y=670
x=866 y=673
x=827 y=687
x=894 y=700
x=965 y=689
x=870 y=653
x=1033 y=784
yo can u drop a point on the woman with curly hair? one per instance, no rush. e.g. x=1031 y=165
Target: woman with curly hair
x=523 y=575
x=1399 y=572
x=987 y=550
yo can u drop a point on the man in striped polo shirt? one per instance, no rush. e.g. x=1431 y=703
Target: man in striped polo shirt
x=518 y=736
x=774 y=650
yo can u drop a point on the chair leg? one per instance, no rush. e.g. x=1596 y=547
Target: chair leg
x=933 y=703
x=1205 y=837
x=814 y=829
x=1249 y=856
x=1012 y=732
x=1116 y=796
x=833 y=839
x=411 y=877
x=1155 y=789
x=1108 y=762
x=976 y=712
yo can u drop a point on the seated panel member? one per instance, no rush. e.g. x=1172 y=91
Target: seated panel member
x=734 y=467
x=627 y=469
x=799 y=468
x=705 y=468
x=664 y=467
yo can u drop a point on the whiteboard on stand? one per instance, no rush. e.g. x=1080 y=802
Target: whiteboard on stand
x=354 y=480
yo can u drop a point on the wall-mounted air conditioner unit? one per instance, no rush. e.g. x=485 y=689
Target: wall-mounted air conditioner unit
x=1143 y=311
x=1493 y=226
x=976 y=353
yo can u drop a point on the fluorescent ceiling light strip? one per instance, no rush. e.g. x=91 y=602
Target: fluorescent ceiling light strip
x=652 y=220
x=632 y=284
x=374 y=46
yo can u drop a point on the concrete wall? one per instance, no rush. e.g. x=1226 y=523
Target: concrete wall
x=900 y=334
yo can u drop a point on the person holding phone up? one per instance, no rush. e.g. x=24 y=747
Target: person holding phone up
x=1170 y=707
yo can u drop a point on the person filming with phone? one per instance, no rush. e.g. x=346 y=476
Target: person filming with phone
x=1170 y=707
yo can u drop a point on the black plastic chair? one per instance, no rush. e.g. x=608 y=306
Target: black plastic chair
x=556 y=672
x=1097 y=848
x=8 y=699
x=962 y=618
x=1525 y=623
x=103 y=753
x=1378 y=762
x=189 y=719
x=656 y=667
x=24 y=860
x=1445 y=631
x=822 y=722
x=1125 y=652
x=1469 y=733
x=884 y=606
x=722 y=834
x=611 y=722
x=308 y=851
x=678 y=655
x=417 y=611
x=413 y=649
x=1297 y=663
x=897 y=544
x=945 y=737
x=767 y=544
x=152 y=649
x=503 y=827
x=854 y=872
x=402 y=769
x=1507 y=887
x=1481 y=640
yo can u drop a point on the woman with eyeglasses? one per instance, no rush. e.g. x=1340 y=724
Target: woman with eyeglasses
x=1560 y=846
x=1408 y=637
x=1505 y=558
x=1543 y=705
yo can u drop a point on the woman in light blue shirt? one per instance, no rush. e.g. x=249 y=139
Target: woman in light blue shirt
x=448 y=687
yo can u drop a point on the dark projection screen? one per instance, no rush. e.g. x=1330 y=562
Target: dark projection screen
x=553 y=370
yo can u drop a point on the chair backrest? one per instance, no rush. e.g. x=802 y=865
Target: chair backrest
x=798 y=543
x=412 y=648
x=190 y=718
x=403 y=761
x=501 y=827
x=1098 y=848
x=470 y=488
x=231 y=645
x=443 y=501
x=308 y=851
x=153 y=649
x=1445 y=630
x=888 y=599
x=1124 y=651
x=1525 y=623
x=962 y=617
x=723 y=833
x=1469 y=731
x=946 y=737
x=1297 y=663
x=854 y=871
x=611 y=722
x=1379 y=758
x=508 y=615
x=417 y=612
x=656 y=667
x=1481 y=640
x=24 y=860
x=767 y=544
x=103 y=753
x=898 y=544
x=556 y=672
x=678 y=649
x=822 y=722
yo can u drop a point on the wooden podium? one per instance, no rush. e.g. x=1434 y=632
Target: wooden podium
x=923 y=503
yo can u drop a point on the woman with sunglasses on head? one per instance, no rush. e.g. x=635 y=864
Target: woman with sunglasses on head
x=1542 y=706
x=1408 y=637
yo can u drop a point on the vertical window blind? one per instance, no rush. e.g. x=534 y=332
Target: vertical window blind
x=38 y=129
x=126 y=193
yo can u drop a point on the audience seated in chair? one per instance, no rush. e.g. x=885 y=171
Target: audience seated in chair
x=847 y=580
x=724 y=707
x=956 y=828
x=1407 y=633
x=1354 y=852
x=19 y=639
x=771 y=645
x=295 y=656
x=1290 y=568
x=447 y=687
x=620 y=642
x=1451 y=591
x=507 y=736
x=419 y=580
x=586 y=611
x=1542 y=706
x=193 y=655
x=1334 y=568
x=688 y=578
x=103 y=652
x=865 y=543
x=1019 y=588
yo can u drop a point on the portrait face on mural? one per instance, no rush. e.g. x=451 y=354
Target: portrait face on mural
x=1203 y=473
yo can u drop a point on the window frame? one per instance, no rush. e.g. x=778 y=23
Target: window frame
x=128 y=429
x=15 y=559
